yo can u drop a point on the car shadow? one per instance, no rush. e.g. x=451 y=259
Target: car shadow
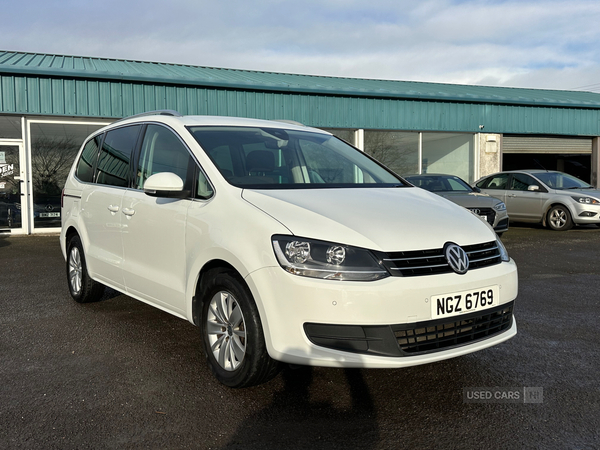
x=294 y=420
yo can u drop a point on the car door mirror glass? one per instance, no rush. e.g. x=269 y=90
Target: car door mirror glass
x=164 y=184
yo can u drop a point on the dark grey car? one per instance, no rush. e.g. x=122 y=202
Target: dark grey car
x=458 y=191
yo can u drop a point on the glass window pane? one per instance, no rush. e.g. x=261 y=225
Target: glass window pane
x=85 y=166
x=448 y=153
x=10 y=187
x=162 y=151
x=113 y=162
x=10 y=127
x=53 y=150
x=395 y=149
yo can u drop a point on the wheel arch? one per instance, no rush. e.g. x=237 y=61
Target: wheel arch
x=201 y=281
x=551 y=205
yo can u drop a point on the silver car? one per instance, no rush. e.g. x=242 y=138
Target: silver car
x=557 y=200
x=458 y=191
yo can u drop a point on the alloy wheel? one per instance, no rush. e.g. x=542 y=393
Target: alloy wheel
x=75 y=270
x=558 y=217
x=226 y=330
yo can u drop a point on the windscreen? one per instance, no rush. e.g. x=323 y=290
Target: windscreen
x=559 y=180
x=273 y=158
x=440 y=183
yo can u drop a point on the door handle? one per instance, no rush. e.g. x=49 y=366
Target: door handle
x=113 y=208
x=128 y=211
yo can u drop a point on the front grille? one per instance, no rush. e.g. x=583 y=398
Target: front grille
x=433 y=262
x=489 y=213
x=436 y=335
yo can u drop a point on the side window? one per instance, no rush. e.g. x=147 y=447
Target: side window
x=113 y=162
x=203 y=189
x=520 y=182
x=162 y=151
x=495 y=182
x=85 y=165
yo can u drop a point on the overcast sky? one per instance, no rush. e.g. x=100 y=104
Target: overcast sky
x=520 y=43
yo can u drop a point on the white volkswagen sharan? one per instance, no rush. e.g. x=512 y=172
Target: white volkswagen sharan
x=282 y=243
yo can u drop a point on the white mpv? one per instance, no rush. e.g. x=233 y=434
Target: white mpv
x=282 y=243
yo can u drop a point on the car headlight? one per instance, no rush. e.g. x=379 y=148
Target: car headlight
x=502 y=249
x=500 y=207
x=326 y=260
x=587 y=200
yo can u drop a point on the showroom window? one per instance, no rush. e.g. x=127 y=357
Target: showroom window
x=398 y=151
x=449 y=153
x=54 y=146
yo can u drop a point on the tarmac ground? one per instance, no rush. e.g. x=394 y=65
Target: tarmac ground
x=118 y=374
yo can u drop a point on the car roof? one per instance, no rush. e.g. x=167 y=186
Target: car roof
x=201 y=120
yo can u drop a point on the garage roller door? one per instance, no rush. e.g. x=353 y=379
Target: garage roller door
x=522 y=144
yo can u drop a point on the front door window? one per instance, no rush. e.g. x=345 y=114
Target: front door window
x=10 y=188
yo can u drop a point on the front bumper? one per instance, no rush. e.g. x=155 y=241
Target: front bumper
x=586 y=214
x=295 y=309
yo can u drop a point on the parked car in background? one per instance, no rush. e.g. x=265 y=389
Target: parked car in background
x=460 y=192
x=555 y=199
x=46 y=213
x=282 y=243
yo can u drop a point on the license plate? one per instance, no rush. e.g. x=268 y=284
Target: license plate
x=446 y=305
x=54 y=214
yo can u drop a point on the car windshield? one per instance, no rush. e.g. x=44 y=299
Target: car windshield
x=274 y=158
x=440 y=183
x=559 y=180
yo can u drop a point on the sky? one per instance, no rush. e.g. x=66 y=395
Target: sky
x=518 y=43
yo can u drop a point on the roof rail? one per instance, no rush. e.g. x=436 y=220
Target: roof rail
x=158 y=112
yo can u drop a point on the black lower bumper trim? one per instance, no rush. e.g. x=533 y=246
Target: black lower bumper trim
x=414 y=338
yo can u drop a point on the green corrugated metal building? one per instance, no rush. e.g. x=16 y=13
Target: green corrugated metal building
x=49 y=103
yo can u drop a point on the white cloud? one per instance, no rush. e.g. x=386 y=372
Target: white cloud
x=550 y=44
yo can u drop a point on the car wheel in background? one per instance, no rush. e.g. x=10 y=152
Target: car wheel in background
x=559 y=218
x=232 y=333
x=82 y=288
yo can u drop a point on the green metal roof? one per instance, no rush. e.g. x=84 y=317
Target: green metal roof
x=76 y=67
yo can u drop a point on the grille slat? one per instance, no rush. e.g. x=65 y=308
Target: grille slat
x=438 y=335
x=433 y=262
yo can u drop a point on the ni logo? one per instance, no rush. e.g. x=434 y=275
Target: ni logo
x=457 y=258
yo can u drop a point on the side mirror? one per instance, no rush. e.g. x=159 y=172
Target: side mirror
x=164 y=184
x=533 y=187
x=476 y=189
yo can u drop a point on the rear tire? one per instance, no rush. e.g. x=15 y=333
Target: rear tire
x=82 y=288
x=559 y=218
x=234 y=344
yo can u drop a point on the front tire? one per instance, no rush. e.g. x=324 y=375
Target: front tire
x=233 y=339
x=82 y=288
x=559 y=218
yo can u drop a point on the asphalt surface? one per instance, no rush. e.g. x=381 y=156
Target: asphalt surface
x=119 y=374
